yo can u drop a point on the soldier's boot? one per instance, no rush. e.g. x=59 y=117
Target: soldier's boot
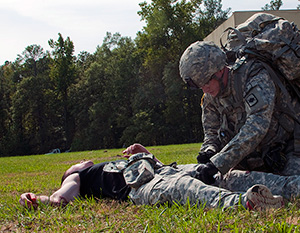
x=259 y=197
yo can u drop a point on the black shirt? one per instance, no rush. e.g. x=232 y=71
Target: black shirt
x=99 y=184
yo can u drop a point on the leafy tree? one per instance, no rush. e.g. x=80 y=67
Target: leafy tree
x=32 y=115
x=6 y=91
x=211 y=16
x=22 y=85
x=29 y=58
x=85 y=96
x=63 y=74
x=83 y=61
x=105 y=91
x=121 y=71
x=273 y=6
x=126 y=91
x=182 y=113
x=171 y=25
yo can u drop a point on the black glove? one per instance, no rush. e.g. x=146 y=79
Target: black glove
x=204 y=157
x=275 y=159
x=206 y=172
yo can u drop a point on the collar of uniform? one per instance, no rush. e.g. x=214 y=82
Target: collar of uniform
x=227 y=90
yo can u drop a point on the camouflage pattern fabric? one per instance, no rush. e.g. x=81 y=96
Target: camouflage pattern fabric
x=241 y=181
x=138 y=173
x=117 y=166
x=171 y=185
x=238 y=130
x=200 y=61
x=135 y=157
x=287 y=184
x=137 y=170
x=271 y=36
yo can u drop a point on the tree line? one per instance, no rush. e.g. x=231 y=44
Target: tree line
x=126 y=91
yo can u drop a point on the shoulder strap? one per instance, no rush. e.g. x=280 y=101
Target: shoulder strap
x=289 y=110
x=238 y=33
x=278 y=82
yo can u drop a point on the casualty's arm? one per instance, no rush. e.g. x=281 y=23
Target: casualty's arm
x=137 y=148
x=134 y=149
x=68 y=191
x=31 y=200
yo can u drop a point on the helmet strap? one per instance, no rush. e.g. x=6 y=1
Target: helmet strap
x=221 y=81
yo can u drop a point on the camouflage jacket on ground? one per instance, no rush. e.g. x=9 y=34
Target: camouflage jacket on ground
x=138 y=170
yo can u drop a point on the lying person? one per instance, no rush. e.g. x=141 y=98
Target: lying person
x=84 y=179
x=167 y=184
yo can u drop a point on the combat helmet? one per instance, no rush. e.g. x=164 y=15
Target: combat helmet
x=199 y=62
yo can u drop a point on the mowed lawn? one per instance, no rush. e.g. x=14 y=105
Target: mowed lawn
x=41 y=174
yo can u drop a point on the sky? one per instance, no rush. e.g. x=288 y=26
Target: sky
x=86 y=22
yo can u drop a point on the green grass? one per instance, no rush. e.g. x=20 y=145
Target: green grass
x=41 y=174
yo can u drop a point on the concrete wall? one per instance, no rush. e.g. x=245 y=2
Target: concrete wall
x=239 y=17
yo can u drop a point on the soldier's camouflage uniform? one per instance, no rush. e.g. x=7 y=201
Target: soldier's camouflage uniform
x=245 y=131
x=177 y=185
x=153 y=183
x=240 y=181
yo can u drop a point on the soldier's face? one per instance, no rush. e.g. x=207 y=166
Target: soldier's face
x=212 y=87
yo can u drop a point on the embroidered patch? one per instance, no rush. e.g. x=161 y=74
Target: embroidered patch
x=251 y=100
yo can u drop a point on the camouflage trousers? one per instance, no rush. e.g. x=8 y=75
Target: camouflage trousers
x=286 y=184
x=178 y=185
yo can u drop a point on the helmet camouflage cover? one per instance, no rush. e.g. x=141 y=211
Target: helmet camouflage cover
x=200 y=61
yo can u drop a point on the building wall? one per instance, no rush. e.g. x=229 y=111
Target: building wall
x=239 y=17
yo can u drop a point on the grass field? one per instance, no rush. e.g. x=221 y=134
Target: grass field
x=41 y=174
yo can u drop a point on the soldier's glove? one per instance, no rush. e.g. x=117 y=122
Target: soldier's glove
x=206 y=172
x=275 y=159
x=204 y=157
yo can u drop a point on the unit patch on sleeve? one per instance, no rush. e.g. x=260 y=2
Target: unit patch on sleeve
x=251 y=100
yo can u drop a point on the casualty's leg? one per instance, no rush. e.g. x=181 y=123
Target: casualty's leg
x=259 y=197
x=181 y=188
x=240 y=181
x=292 y=166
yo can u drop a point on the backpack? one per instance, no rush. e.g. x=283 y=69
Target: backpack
x=272 y=39
x=276 y=43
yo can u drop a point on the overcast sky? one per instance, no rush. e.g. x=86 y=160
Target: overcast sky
x=27 y=22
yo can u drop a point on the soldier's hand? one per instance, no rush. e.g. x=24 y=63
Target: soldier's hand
x=206 y=172
x=204 y=156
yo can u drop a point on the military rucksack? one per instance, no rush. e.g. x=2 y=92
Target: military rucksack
x=276 y=43
x=272 y=39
